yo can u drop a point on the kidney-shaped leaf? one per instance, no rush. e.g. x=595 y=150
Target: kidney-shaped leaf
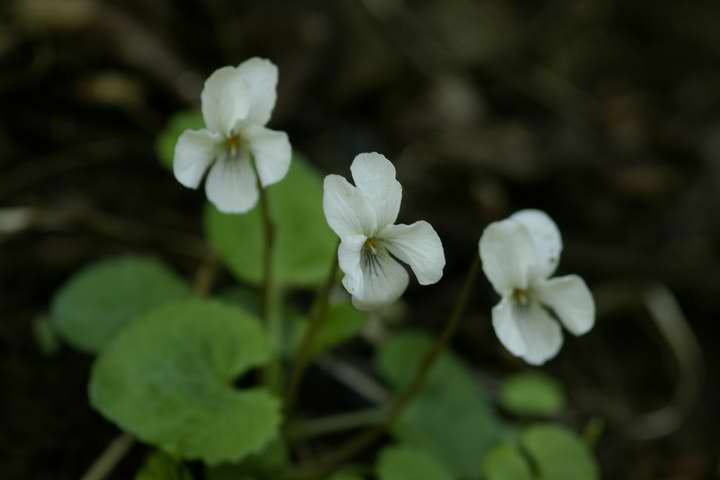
x=97 y=302
x=304 y=244
x=532 y=393
x=168 y=379
x=505 y=462
x=559 y=453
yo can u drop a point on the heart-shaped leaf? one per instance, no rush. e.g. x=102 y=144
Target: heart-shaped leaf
x=532 y=394
x=95 y=304
x=168 y=378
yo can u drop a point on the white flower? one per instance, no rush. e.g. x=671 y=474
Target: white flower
x=363 y=216
x=519 y=255
x=236 y=105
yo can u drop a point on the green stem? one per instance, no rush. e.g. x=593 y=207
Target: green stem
x=335 y=423
x=108 y=459
x=362 y=441
x=318 y=314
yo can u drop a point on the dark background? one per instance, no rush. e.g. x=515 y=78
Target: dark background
x=606 y=114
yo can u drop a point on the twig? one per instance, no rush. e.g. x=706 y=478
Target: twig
x=110 y=457
x=318 y=314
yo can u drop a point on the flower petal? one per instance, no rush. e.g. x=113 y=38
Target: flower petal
x=506 y=327
x=225 y=100
x=572 y=302
x=374 y=176
x=419 y=246
x=349 y=253
x=383 y=282
x=346 y=209
x=271 y=151
x=527 y=331
x=508 y=255
x=231 y=185
x=194 y=152
x=261 y=77
x=546 y=238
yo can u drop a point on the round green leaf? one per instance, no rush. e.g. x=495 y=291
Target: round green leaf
x=403 y=463
x=95 y=304
x=559 y=453
x=168 y=379
x=452 y=416
x=505 y=462
x=181 y=121
x=532 y=394
x=304 y=244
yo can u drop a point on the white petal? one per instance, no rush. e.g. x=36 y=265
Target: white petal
x=225 y=100
x=542 y=334
x=231 y=185
x=271 y=152
x=419 y=246
x=194 y=152
x=261 y=77
x=571 y=300
x=546 y=238
x=374 y=176
x=349 y=262
x=527 y=331
x=508 y=256
x=506 y=327
x=346 y=209
x=382 y=283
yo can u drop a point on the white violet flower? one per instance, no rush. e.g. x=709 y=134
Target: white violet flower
x=236 y=106
x=518 y=256
x=364 y=216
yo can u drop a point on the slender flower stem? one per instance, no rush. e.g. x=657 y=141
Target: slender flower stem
x=110 y=457
x=362 y=441
x=271 y=373
x=318 y=314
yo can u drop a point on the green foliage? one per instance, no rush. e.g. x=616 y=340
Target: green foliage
x=532 y=394
x=346 y=476
x=94 y=305
x=543 y=452
x=452 y=416
x=181 y=121
x=168 y=378
x=161 y=466
x=404 y=463
x=343 y=322
x=304 y=244
x=505 y=462
x=559 y=453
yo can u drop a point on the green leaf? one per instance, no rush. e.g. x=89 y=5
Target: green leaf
x=505 y=462
x=343 y=322
x=346 y=476
x=532 y=394
x=168 y=379
x=452 y=416
x=559 y=453
x=304 y=244
x=181 y=121
x=403 y=463
x=161 y=466
x=95 y=304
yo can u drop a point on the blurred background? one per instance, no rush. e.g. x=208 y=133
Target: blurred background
x=605 y=114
